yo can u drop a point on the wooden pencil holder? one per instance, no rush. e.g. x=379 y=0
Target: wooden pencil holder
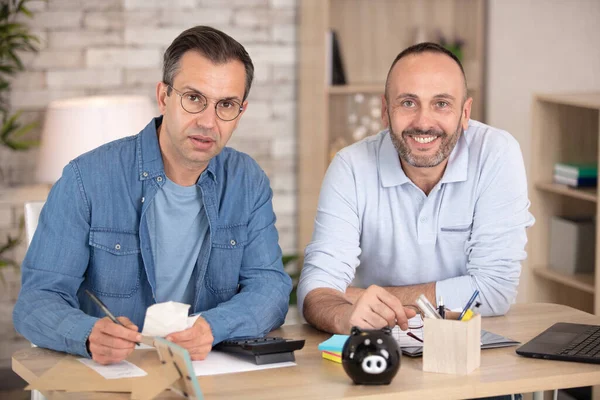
x=452 y=346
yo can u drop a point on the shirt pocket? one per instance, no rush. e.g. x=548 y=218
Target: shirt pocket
x=459 y=233
x=115 y=262
x=223 y=273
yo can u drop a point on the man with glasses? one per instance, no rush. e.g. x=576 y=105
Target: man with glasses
x=436 y=204
x=169 y=214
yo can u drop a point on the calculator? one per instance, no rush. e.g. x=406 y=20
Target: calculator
x=265 y=350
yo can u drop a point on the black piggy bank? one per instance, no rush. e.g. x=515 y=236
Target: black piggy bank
x=371 y=357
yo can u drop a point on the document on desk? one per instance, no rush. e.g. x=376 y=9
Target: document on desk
x=123 y=369
x=217 y=363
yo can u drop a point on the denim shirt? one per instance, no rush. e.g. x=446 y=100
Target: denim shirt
x=93 y=234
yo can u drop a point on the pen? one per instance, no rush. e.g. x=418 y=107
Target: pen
x=104 y=309
x=471 y=311
x=428 y=309
x=441 y=309
x=469 y=303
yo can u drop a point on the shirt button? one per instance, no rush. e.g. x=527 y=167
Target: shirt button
x=232 y=242
x=159 y=179
x=143 y=199
x=423 y=219
x=118 y=246
x=144 y=174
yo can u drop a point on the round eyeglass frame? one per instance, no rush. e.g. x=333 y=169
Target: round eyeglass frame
x=239 y=109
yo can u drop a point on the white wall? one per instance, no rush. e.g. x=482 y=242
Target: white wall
x=536 y=46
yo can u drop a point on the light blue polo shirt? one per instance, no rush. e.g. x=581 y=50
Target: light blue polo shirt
x=375 y=226
x=177 y=224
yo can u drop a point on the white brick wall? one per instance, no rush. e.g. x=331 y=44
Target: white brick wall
x=93 y=47
x=85 y=78
x=160 y=4
x=122 y=57
x=82 y=39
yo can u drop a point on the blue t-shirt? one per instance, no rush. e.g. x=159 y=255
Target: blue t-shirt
x=178 y=225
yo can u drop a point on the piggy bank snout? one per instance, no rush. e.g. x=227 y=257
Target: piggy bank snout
x=374 y=364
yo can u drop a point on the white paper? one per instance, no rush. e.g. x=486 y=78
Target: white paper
x=123 y=369
x=406 y=341
x=165 y=318
x=217 y=363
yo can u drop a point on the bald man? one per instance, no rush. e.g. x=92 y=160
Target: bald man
x=435 y=204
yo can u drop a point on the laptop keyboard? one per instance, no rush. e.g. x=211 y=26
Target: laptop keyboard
x=585 y=345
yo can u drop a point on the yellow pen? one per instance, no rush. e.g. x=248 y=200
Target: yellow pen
x=470 y=312
x=468 y=315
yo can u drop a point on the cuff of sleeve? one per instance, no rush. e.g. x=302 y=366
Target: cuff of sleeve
x=455 y=291
x=218 y=325
x=79 y=334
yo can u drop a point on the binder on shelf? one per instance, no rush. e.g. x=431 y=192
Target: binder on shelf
x=576 y=170
x=576 y=182
x=335 y=67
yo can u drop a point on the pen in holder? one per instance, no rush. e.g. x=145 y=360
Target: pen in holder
x=452 y=346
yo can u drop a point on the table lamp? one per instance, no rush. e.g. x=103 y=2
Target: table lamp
x=75 y=126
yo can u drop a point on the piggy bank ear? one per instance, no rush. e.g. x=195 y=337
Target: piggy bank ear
x=355 y=331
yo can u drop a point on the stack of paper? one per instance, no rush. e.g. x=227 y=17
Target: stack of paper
x=331 y=349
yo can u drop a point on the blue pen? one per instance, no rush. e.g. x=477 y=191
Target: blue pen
x=469 y=303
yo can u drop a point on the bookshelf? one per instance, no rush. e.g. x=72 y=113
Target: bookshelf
x=565 y=129
x=370 y=34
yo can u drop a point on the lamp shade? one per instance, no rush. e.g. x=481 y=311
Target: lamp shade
x=75 y=126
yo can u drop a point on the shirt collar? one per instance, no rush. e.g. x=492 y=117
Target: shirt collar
x=149 y=156
x=392 y=174
x=458 y=162
x=390 y=169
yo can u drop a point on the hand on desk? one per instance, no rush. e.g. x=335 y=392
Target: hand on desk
x=197 y=340
x=376 y=308
x=110 y=343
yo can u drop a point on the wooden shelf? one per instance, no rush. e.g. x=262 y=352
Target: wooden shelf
x=586 y=100
x=582 y=194
x=583 y=282
x=371 y=88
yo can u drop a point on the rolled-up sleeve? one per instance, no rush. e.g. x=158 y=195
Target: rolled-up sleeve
x=498 y=237
x=331 y=258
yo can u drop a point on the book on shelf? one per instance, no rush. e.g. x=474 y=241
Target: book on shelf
x=335 y=73
x=576 y=170
x=576 y=182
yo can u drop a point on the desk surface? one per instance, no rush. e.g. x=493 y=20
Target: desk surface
x=502 y=371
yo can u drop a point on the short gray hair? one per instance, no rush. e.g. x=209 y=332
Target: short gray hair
x=213 y=44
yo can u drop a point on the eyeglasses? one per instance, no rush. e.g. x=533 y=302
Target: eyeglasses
x=194 y=103
x=413 y=325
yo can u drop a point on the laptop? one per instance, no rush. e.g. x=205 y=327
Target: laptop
x=566 y=342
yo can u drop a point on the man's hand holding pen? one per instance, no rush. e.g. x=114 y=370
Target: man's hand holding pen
x=111 y=343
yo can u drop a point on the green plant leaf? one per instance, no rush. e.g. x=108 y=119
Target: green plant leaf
x=24 y=129
x=289 y=258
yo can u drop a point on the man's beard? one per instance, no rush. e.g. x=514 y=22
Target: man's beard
x=422 y=161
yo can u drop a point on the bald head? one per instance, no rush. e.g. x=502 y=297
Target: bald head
x=426 y=58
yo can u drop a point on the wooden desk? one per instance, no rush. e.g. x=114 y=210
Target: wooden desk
x=502 y=371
